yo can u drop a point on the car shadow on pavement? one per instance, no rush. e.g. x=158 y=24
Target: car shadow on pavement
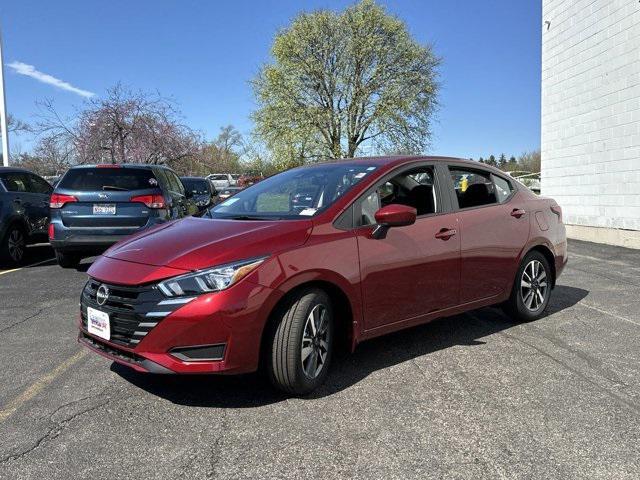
x=247 y=391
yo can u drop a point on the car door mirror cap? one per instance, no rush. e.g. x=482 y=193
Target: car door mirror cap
x=394 y=215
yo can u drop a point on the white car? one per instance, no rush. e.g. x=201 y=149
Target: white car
x=222 y=180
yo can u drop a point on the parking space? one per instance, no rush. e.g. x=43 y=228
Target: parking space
x=472 y=396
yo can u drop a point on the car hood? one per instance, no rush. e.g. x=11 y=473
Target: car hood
x=196 y=243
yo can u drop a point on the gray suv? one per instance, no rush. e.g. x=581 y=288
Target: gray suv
x=95 y=206
x=24 y=212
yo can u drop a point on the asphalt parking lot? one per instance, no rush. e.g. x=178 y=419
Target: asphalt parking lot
x=472 y=396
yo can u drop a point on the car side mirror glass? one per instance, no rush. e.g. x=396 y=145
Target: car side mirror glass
x=394 y=215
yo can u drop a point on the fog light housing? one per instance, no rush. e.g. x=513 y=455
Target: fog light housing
x=199 y=353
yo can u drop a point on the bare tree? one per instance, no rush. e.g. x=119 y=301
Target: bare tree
x=124 y=126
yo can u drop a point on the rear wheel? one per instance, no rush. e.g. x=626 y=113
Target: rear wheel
x=67 y=260
x=14 y=245
x=302 y=343
x=531 y=289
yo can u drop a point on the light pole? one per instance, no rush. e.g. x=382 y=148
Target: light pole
x=3 y=112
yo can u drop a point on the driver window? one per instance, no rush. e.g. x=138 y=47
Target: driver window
x=414 y=188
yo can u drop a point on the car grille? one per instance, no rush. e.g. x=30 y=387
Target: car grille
x=133 y=311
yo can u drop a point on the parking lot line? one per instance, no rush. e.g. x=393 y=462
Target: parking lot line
x=37 y=386
x=3 y=272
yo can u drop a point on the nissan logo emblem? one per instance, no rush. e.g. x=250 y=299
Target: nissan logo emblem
x=102 y=295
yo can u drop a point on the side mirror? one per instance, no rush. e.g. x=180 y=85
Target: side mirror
x=394 y=215
x=188 y=193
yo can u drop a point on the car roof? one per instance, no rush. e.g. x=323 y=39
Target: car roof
x=14 y=170
x=146 y=166
x=395 y=160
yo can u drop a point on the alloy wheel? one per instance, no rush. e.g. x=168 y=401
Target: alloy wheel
x=315 y=341
x=534 y=285
x=16 y=245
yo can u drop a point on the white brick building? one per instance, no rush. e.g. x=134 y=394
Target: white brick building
x=591 y=116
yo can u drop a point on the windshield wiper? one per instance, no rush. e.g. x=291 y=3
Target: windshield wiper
x=246 y=217
x=113 y=187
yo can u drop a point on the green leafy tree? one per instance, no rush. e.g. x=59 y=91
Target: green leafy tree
x=481 y=160
x=502 y=161
x=339 y=80
x=492 y=161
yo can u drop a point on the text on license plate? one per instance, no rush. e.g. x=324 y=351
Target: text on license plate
x=98 y=323
x=104 y=209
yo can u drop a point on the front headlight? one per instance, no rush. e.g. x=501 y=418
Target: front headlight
x=209 y=280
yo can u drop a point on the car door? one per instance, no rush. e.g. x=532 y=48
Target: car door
x=23 y=200
x=40 y=192
x=414 y=270
x=494 y=228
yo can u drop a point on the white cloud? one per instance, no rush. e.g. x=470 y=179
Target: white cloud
x=31 y=71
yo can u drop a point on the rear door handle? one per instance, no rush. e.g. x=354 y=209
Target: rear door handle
x=517 y=212
x=446 y=233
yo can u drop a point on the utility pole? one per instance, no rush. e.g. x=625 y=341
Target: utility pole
x=3 y=112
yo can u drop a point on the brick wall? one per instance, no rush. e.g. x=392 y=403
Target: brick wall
x=591 y=110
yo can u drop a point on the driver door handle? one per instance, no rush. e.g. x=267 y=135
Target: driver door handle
x=446 y=233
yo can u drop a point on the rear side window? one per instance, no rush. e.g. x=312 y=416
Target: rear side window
x=503 y=188
x=474 y=188
x=175 y=184
x=39 y=185
x=16 y=182
x=92 y=179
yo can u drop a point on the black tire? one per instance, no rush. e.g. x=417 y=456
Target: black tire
x=14 y=245
x=285 y=365
x=525 y=304
x=67 y=260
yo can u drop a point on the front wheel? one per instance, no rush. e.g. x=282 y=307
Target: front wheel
x=302 y=343
x=531 y=289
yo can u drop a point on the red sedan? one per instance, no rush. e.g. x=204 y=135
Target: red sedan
x=382 y=244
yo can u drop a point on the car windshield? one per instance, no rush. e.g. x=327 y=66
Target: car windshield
x=280 y=196
x=199 y=186
x=113 y=178
x=219 y=177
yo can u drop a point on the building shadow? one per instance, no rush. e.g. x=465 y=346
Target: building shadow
x=247 y=391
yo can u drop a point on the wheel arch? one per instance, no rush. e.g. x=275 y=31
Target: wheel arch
x=346 y=333
x=548 y=254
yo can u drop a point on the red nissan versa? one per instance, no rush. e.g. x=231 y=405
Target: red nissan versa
x=383 y=244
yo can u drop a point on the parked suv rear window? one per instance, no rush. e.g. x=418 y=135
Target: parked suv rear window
x=91 y=179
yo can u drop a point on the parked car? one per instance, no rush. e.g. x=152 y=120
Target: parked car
x=222 y=180
x=202 y=191
x=227 y=192
x=95 y=206
x=249 y=179
x=24 y=212
x=389 y=244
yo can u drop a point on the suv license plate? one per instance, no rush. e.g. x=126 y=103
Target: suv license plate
x=104 y=209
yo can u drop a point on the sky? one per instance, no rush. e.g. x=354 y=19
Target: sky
x=203 y=54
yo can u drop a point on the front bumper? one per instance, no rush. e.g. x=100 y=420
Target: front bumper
x=233 y=317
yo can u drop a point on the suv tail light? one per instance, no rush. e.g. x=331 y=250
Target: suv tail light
x=51 y=231
x=58 y=200
x=558 y=211
x=151 y=201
